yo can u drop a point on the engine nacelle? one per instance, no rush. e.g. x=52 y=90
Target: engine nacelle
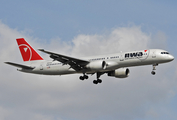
x=111 y=65
x=120 y=73
x=97 y=65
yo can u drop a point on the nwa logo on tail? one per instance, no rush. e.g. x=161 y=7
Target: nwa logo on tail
x=27 y=52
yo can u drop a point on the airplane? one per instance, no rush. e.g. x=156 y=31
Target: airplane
x=114 y=65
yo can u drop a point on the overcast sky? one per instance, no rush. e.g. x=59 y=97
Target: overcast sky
x=81 y=28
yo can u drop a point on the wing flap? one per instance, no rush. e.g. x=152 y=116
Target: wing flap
x=19 y=65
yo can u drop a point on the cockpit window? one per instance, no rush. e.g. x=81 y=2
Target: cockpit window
x=164 y=53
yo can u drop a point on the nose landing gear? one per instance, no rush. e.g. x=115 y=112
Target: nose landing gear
x=153 y=72
x=154 y=68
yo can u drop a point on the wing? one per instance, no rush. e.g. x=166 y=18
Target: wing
x=19 y=65
x=75 y=63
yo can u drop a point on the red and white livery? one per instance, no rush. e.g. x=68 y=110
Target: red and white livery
x=113 y=64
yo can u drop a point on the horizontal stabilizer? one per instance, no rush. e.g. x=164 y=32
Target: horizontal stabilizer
x=19 y=66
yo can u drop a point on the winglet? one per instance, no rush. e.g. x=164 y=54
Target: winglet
x=27 y=52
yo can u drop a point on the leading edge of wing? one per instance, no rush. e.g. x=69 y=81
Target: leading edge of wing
x=19 y=65
x=67 y=58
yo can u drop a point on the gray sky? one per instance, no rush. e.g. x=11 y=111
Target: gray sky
x=80 y=28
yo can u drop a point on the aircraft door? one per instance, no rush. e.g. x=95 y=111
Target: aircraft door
x=121 y=57
x=153 y=54
x=41 y=67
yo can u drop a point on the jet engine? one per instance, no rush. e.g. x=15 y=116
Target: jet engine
x=97 y=65
x=111 y=65
x=120 y=73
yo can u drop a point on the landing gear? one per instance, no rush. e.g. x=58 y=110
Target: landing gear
x=97 y=81
x=153 y=70
x=98 y=74
x=83 y=77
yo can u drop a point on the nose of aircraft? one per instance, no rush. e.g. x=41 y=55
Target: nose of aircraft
x=171 y=58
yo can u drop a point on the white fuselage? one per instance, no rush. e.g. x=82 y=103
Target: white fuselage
x=113 y=62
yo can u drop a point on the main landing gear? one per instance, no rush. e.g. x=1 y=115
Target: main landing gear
x=153 y=70
x=83 y=77
x=98 y=74
x=97 y=81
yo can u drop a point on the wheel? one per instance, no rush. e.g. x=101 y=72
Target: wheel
x=95 y=82
x=99 y=81
x=85 y=76
x=81 y=78
x=153 y=73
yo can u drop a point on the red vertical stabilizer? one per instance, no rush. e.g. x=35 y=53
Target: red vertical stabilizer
x=27 y=52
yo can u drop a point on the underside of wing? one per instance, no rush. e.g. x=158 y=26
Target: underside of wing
x=19 y=65
x=75 y=63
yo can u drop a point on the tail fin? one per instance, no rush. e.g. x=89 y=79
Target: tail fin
x=27 y=52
